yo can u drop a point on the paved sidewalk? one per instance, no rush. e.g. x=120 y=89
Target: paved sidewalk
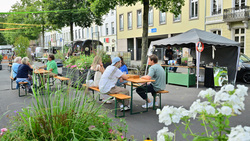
x=139 y=125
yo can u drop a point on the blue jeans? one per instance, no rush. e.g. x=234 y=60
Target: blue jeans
x=118 y=83
x=142 y=91
x=23 y=80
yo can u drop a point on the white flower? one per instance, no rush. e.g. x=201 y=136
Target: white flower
x=158 y=111
x=221 y=96
x=241 y=91
x=210 y=109
x=239 y=133
x=225 y=110
x=208 y=93
x=229 y=87
x=162 y=132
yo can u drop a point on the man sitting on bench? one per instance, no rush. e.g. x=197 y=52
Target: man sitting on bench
x=157 y=73
x=109 y=79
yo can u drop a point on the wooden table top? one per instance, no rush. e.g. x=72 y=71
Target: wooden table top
x=139 y=80
x=40 y=71
x=181 y=66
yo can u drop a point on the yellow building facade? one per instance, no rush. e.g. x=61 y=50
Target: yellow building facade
x=201 y=14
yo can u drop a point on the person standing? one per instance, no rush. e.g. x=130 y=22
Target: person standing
x=109 y=79
x=168 y=54
x=157 y=73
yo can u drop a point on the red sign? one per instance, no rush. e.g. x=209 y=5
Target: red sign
x=200 y=46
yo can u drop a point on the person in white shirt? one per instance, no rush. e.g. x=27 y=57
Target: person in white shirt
x=109 y=79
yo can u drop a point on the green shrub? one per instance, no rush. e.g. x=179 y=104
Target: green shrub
x=60 y=116
x=21 y=45
x=1 y=57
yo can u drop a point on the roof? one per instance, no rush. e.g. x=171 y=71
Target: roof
x=195 y=36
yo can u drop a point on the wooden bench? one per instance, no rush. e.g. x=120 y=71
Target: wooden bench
x=117 y=97
x=134 y=85
x=23 y=85
x=11 y=83
x=62 y=79
x=158 y=93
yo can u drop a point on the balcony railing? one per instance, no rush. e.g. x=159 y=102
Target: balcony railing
x=236 y=14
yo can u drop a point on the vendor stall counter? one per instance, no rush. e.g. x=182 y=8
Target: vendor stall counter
x=186 y=79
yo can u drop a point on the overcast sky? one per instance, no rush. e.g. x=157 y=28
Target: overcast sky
x=5 y=5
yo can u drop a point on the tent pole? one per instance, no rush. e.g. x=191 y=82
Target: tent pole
x=198 y=55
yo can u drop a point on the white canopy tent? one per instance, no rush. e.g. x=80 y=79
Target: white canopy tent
x=217 y=49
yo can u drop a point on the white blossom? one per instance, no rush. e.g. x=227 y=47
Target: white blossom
x=210 y=109
x=225 y=110
x=162 y=132
x=239 y=133
x=207 y=93
x=229 y=87
x=221 y=96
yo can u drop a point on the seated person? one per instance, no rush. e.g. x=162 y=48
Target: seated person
x=124 y=70
x=23 y=73
x=51 y=66
x=15 y=65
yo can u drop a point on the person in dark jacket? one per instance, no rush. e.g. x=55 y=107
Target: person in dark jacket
x=23 y=73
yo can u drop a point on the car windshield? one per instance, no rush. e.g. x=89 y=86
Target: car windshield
x=244 y=58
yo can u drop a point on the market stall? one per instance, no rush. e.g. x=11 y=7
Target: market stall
x=207 y=47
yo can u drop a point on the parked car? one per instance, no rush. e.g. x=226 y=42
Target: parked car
x=244 y=69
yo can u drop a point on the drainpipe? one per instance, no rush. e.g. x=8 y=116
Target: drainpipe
x=205 y=15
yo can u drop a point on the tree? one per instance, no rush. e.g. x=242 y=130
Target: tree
x=2 y=39
x=21 y=45
x=70 y=12
x=101 y=7
x=28 y=23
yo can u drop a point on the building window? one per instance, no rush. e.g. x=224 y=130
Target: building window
x=88 y=33
x=107 y=48
x=150 y=16
x=177 y=18
x=139 y=18
x=83 y=33
x=216 y=7
x=162 y=16
x=107 y=29
x=239 y=36
x=121 y=22
x=193 y=9
x=96 y=31
x=239 y=4
x=79 y=33
x=101 y=31
x=216 y=32
x=112 y=28
x=75 y=34
x=112 y=12
x=130 y=20
x=113 y=49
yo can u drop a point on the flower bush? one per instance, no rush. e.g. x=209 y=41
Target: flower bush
x=214 y=112
x=63 y=116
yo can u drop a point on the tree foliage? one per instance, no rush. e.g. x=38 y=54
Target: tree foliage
x=101 y=7
x=21 y=45
x=33 y=21
x=78 y=13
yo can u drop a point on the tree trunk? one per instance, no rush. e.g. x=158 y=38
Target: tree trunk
x=71 y=31
x=145 y=33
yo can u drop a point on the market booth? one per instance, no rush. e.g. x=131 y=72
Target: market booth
x=208 y=48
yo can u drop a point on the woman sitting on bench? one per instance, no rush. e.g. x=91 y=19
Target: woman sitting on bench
x=23 y=73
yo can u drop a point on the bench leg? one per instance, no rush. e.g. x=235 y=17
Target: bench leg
x=116 y=108
x=19 y=91
x=11 y=83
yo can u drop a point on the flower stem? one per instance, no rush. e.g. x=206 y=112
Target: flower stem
x=205 y=126
x=179 y=130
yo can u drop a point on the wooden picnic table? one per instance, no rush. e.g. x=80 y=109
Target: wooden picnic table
x=40 y=72
x=137 y=80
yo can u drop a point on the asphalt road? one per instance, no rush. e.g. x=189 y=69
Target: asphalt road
x=139 y=125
